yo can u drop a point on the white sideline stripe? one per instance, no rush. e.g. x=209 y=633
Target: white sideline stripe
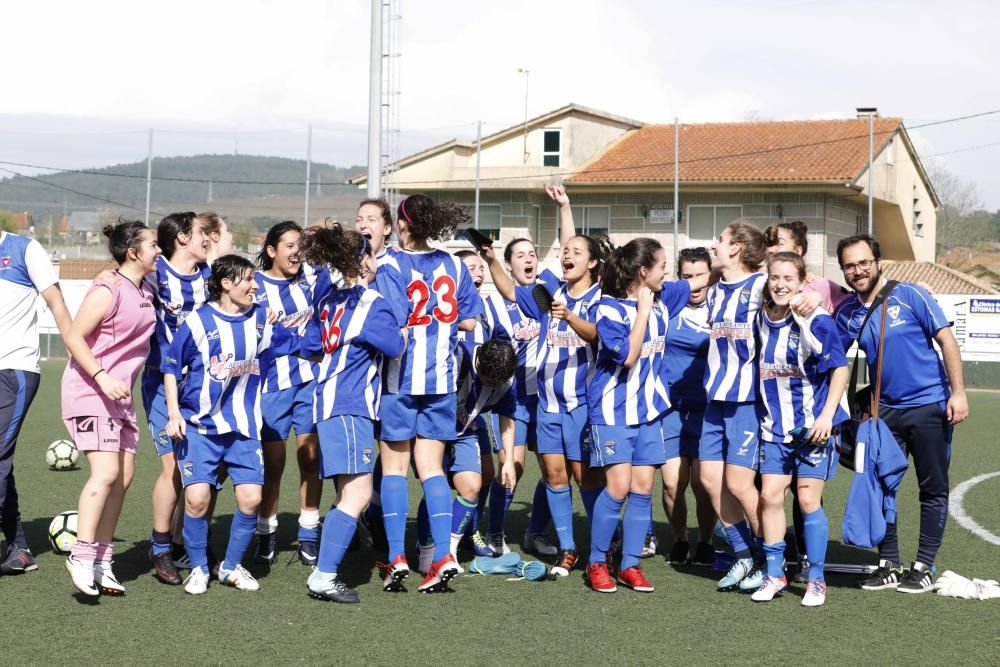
x=956 y=510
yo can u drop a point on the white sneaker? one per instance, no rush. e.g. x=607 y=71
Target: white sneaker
x=498 y=543
x=106 y=580
x=538 y=544
x=238 y=578
x=82 y=574
x=197 y=581
x=770 y=589
x=426 y=558
x=815 y=594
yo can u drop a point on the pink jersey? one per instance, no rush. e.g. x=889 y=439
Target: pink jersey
x=831 y=294
x=120 y=343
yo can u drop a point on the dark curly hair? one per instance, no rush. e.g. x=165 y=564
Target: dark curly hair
x=693 y=255
x=496 y=361
x=621 y=265
x=273 y=238
x=168 y=229
x=428 y=221
x=124 y=236
x=342 y=249
x=232 y=267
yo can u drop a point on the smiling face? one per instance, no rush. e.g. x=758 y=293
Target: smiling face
x=285 y=255
x=783 y=282
x=652 y=277
x=370 y=223
x=242 y=291
x=476 y=269
x=523 y=263
x=148 y=251
x=196 y=243
x=861 y=270
x=576 y=260
x=693 y=270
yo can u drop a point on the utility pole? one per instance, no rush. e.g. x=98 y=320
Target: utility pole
x=375 y=103
x=309 y=149
x=677 y=188
x=871 y=112
x=526 y=74
x=149 y=176
x=479 y=142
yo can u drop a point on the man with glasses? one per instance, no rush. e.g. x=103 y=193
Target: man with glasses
x=921 y=400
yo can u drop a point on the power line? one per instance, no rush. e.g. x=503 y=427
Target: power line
x=77 y=192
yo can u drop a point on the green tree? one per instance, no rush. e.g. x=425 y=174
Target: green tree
x=6 y=221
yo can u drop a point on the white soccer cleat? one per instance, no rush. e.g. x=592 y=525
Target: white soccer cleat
x=815 y=594
x=82 y=574
x=197 y=581
x=426 y=558
x=770 y=589
x=106 y=580
x=238 y=578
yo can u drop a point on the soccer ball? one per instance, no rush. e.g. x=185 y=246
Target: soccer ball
x=61 y=455
x=62 y=532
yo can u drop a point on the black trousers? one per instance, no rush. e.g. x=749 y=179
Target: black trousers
x=17 y=390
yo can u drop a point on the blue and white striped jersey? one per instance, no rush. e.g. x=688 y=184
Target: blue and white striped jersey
x=731 y=374
x=523 y=332
x=389 y=283
x=473 y=399
x=351 y=329
x=217 y=359
x=686 y=357
x=291 y=300
x=620 y=396
x=564 y=359
x=441 y=294
x=795 y=363
x=177 y=295
x=485 y=327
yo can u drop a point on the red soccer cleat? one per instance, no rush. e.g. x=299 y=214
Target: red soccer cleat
x=634 y=578
x=439 y=574
x=394 y=574
x=600 y=578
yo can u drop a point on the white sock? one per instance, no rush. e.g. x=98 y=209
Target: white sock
x=455 y=539
x=308 y=519
x=267 y=524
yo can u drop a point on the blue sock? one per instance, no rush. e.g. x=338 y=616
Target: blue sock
x=395 y=498
x=736 y=540
x=817 y=532
x=649 y=529
x=309 y=534
x=338 y=531
x=635 y=525
x=438 y=496
x=240 y=532
x=196 y=540
x=540 y=514
x=500 y=499
x=589 y=497
x=607 y=512
x=159 y=543
x=423 y=525
x=477 y=516
x=561 y=506
x=462 y=511
x=775 y=554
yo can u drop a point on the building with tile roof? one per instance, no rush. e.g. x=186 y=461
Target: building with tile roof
x=941 y=279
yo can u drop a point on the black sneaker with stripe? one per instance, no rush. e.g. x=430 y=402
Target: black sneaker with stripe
x=885 y=576
x=917 y=579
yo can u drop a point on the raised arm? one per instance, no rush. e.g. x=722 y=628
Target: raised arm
x=503 y=283
x=567 y=227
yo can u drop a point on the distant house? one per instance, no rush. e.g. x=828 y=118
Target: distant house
x=620 y=174
x=85 y=227
x=20 y=223
x=941 y=279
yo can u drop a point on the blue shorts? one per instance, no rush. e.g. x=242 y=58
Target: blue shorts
x=154 y=402
x=199 y=457
x=286 y=409
x=463 y=454
x=524 y=433
x=563 y=433
x=731 y=433
x=815 y=463
x=526 y=410
x=682 y=432
x=405 y=417
x=346 y=445
x=640 y=445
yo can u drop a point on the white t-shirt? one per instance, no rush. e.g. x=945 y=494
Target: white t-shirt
x=25 y=271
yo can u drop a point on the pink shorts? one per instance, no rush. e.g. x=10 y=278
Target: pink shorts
x=103 y=434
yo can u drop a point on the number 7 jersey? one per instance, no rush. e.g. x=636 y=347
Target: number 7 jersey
x=441 y=294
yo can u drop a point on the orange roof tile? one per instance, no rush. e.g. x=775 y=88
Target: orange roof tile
x=940 y=279
x=786 y=151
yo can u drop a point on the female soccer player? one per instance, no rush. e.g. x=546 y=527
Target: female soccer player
x=564 y=370
x=289 y=286
x=350 y=330
x=212 y=376
x=803 y=374
x=109 y=342
x=181 y=274
x=418 y=408
x=794 y=237
x=220 y=238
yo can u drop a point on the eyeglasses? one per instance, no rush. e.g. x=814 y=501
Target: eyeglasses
x=864 y=265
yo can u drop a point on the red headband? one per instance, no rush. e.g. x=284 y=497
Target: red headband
x=402 y=209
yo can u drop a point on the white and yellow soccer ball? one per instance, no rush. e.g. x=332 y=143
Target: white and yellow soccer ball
x=61 y=455
x=62 y=532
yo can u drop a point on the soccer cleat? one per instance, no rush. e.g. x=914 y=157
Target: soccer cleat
x=197 y=581
x=106 y=580
x=307 y=553
x=180 y=557
x=650 y=546
x=885 y=576
x=165 y=568
x=498 y=543
x=438 y=576
x=266 y=551
x=754 y=580
x=18 y=560
x=426 y=559
x=394 y=574
x=238 y=578
x=506 y=564
x=679 y=553
x=738 y=571
x=82 y=574
x=704 y=555
x=375 y=528
x=802 y=573
x=565 y=563
x=324 y=586
x=538 y=544
x=771 y=588
x=480 y=547
x=600 y=579
x=632 y=577
x=815 y=594
x=917 y=579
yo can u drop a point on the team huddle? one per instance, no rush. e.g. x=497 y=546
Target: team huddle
x=730 y=379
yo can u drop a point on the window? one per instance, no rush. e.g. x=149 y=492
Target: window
x=489 y=221
x=550 y=148
x=705 y=223
x=592 y=220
